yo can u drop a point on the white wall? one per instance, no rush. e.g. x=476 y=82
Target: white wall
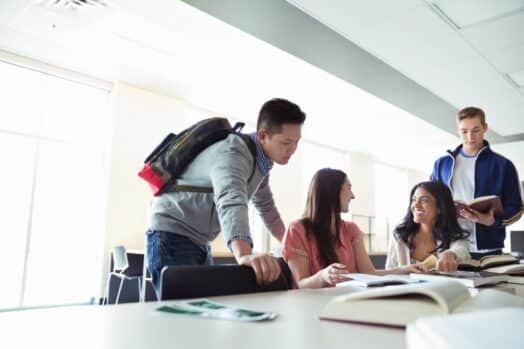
x=140 y=121
x=362 y=179
x=415 y=177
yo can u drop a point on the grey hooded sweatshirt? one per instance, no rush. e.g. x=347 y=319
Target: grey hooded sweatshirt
x=226 y=167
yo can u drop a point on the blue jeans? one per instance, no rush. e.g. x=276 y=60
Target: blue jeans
x=164 y=248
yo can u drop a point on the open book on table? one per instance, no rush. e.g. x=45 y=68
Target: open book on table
x=208 y=309
x=399 y=305
x=368 y=280
x=468 y=330
x=482 y=204
x=467 y=278
x=488 y=262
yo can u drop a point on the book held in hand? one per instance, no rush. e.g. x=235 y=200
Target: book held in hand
x=430 y=262
x=396 y=306
x=467 y=278
x=208 y=309
x=482 y=204
x=487 y=262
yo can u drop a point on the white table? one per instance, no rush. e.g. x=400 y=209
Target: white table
x=138 y=325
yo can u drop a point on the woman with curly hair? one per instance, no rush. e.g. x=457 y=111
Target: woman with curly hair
x=430 y=227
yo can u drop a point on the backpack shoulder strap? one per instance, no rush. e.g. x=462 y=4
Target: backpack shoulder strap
x=252 y=149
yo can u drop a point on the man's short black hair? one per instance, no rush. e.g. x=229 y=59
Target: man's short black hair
x=278 y=111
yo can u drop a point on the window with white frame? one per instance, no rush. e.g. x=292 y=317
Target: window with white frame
x=53 y=139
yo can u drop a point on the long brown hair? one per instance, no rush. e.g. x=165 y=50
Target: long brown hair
x=322 y=206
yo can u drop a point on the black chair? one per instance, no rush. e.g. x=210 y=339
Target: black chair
x=216 y=280
x=517 y=243
x=378 y=260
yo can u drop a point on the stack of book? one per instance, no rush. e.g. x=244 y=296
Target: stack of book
x=504 y=264
x=488 y=270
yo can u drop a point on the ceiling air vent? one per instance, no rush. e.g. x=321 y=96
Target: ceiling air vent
x=75 y=4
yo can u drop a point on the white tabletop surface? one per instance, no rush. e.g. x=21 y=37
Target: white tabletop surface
x=138 y=325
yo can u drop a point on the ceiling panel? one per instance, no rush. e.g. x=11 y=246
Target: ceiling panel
x=425 y=48
x=469 y=12
x=507 y=60
x=172 y=48
x=9 y=9
x=518 y=78
x=504 y=33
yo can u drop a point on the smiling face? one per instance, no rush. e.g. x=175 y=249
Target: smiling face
x=280 y=146
x=471 y=132
x=346 y=195
x=424 y=207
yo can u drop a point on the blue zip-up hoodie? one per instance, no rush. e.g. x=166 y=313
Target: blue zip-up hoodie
x=494 y=175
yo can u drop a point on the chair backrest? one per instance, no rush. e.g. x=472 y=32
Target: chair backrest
x=120 y=261
x=378 y=260
x=216 y=280
x=517 y=240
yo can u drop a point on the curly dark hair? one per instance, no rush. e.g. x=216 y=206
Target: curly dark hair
x=446 y=229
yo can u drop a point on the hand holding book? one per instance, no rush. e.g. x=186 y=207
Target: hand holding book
x=486 y=219
x=480 y=208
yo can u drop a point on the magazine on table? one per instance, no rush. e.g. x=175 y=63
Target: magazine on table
x=209 y=309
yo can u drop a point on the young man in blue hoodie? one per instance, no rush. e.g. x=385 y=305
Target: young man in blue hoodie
x=473 y=170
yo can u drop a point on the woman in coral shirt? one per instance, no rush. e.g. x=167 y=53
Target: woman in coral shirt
x=321 y=247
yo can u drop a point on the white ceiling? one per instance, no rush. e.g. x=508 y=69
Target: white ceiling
x=468 y=52
x=169 y=47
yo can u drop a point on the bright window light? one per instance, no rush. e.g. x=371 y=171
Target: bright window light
x=53 y=138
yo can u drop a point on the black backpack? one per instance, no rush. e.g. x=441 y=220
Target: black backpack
x=171 y=157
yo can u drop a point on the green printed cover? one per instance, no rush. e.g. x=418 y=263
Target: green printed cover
x=209 y=309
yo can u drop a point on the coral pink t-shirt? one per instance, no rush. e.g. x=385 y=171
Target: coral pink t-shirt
x=296 y=241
